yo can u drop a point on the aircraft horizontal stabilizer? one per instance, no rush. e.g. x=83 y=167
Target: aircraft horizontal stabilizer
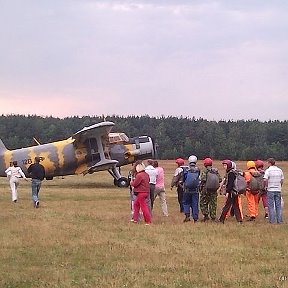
x=2 y=146
x=104 y=164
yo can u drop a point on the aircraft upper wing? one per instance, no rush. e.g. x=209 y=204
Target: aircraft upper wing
x=102 y=128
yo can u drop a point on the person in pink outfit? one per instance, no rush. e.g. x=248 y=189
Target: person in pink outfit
x=141 y=190
x=160 y=187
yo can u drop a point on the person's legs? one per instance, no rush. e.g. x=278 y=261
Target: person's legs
x=13 y=186
x=225 y=209
x=144 y=207
x=271 y=207
x=212 y=204
x=35 y=190
x=186 y=205
x=236 y=208
x=180 y=198
x=278 y=208
x=195 y=206
x=162 y=196
x=204 y=204
x=136 y=209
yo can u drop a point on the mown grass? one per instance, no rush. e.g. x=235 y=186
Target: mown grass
x=81 y=237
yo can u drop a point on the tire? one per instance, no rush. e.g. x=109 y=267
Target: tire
x=122 y=182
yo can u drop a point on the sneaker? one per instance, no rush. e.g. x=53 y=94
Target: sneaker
x=266 y=216
x=37 y=204
x=15 y=201
x=187 y=219
x=133 y=221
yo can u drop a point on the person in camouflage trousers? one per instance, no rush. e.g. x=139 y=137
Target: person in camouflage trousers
x=208 y=190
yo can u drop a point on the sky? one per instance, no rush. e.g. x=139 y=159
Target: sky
x=217 y=60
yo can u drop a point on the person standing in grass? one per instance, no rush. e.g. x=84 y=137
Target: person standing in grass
x=141 y=189
x=273 y=182
x=263 y=192
x=191 y=181
x=231 y=196
x=37 y=172
x=176 y=182
x=251 y=196
x=210 y=182
x=151 y=171
x=160 y=187
x=14 y=173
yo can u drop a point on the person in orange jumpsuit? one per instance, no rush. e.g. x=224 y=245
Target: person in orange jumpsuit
x=263 y=192
x=252 y=198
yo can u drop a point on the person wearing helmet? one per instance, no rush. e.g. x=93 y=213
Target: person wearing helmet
x=263 y=193
x=210 y=182
x=231 y=196
x=176 y=181
x=191 y=181
x=251 y=196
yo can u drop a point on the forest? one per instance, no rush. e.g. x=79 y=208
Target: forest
x=174 y=136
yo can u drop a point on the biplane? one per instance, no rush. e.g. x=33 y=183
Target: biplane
x=92 y=149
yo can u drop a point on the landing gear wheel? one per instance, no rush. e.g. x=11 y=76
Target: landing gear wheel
x=122 y=182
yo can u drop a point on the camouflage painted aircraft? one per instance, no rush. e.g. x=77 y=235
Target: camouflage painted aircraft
x=89 y=150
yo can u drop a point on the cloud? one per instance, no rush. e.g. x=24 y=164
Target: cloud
x=145 y=57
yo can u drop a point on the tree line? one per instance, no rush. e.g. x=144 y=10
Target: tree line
x=174 y=136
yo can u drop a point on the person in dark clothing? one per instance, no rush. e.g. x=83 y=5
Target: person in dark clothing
x=231 y=196
x=37 y=173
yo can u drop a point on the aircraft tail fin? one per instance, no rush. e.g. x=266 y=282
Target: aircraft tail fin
x=2 y=146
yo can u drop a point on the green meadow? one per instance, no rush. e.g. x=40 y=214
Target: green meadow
x=81 y=236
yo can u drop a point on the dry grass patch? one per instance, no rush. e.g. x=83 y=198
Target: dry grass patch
x=81 y=237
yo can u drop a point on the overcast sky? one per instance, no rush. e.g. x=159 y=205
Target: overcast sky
x=218 y=60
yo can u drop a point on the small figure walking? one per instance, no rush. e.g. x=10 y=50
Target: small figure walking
x=37 y=172
x=14 y=173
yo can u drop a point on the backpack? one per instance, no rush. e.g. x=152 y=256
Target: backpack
x=191 y=178
x=256 y=183
x=212 y=179
x=240 y=184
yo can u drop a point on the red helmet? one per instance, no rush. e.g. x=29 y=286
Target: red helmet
x=259 y=163
x=228 y=163
x=207 y=162
x=180 y=161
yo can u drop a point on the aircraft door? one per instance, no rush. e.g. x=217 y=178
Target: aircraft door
x=93 y=154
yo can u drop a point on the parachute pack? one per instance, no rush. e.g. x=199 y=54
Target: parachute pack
x=212 y=179
x=256 y=183
x=240 y=184
x=191 y=178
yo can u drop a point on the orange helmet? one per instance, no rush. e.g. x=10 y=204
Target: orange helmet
x=251 y=164
x=207 y=162
x=180 y=161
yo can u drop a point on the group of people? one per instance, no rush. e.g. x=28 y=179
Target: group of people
x=37 y=173
x=146 y=183
x=207 y=190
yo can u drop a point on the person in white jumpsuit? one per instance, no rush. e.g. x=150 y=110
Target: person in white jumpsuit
x=14 y=173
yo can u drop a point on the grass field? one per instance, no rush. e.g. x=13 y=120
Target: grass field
x=81 y=237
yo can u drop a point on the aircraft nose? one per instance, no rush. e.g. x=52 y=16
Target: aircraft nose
x=144 y=147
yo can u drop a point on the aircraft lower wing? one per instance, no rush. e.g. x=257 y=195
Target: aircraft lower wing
x=104 y=164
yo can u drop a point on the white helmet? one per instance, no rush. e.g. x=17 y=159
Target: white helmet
x=192 y=159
